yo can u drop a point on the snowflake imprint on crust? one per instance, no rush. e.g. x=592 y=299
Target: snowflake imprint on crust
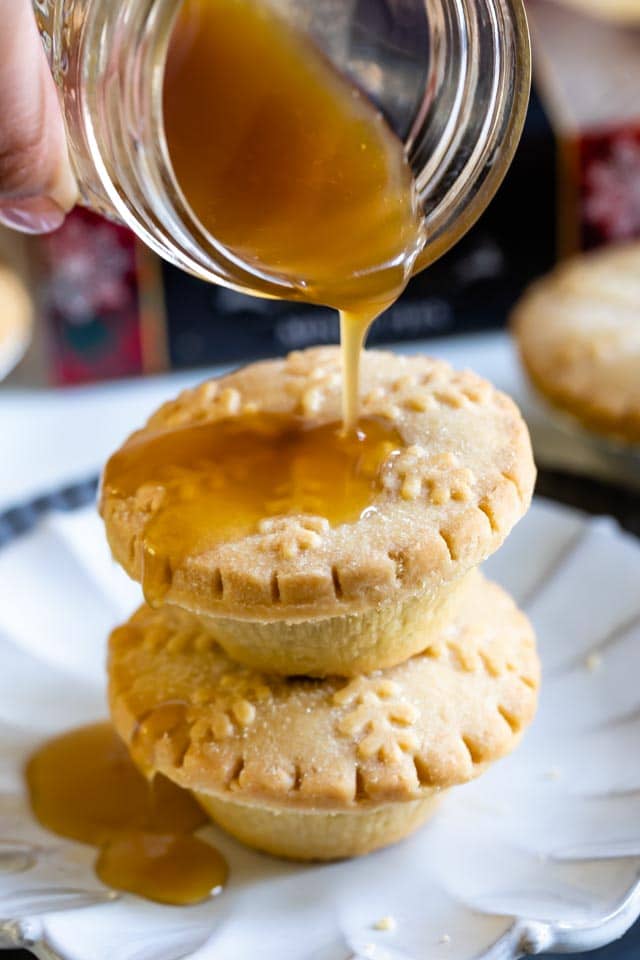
x=150 y=497
x=290 y=536
x=230 y=706
x=427 y=392
x=181 y=640
x=208 y=402
x=413 y=473
x=310 y=387
x=380 y=718
x=323 y=384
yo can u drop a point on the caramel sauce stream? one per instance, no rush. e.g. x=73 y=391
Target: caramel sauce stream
x=83 y=785
x=289 y=166
x=220 y=481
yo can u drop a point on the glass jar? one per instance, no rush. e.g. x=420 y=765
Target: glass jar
x=452 y=77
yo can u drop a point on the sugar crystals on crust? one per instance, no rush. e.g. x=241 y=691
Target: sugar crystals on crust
x=444 y=498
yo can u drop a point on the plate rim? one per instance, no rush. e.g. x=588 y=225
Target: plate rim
x=523 y=937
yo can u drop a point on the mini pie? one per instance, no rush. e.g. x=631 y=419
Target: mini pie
x=301 y=596
x=319 y=769
x=578 y=332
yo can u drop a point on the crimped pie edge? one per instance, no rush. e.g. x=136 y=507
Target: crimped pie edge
x=410 y=545
x=433 y=722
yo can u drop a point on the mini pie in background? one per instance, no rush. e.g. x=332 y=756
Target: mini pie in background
x=616 y=11
x=16 y=319
x=320 y=769
x=578 y=334
x=296 y=595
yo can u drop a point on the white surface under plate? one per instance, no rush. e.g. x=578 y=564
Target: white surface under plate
x=541 y=853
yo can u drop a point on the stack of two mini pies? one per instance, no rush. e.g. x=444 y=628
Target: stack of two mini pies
x=319 y=687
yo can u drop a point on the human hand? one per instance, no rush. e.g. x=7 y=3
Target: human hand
x=37 y=186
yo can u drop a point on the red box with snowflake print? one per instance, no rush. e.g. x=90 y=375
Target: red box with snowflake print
x=608 y=175
x=99 y=301
x=587 y=72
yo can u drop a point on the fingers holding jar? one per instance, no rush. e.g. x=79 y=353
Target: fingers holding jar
x=37 y=186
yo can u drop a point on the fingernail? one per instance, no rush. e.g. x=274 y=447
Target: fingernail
x=31 y=215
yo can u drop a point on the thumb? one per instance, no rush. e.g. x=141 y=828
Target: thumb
x=37 y=186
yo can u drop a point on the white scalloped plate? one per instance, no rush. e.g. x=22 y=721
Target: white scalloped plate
x=541 y=853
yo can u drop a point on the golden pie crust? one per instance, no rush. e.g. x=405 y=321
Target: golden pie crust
x=324 y=768
x=346 y=646
x=578 y=333
x=463 y=479
x=318 y=834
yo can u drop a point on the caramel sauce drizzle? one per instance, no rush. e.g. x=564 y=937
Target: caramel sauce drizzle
x=223 y=480
x=83 y=785
x=289 y=166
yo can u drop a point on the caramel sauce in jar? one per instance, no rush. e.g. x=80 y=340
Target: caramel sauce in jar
x=289 y=166
x=220 y=481
x=83 y=785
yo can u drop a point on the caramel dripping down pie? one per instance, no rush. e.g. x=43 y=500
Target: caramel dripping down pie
x=298 y=595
